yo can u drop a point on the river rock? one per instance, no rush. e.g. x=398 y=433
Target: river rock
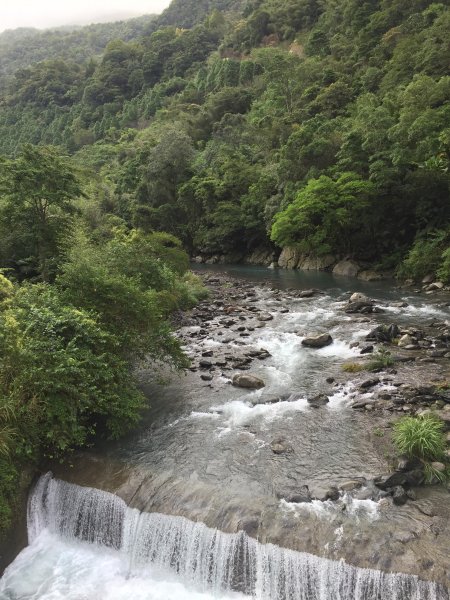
x=347 y=268
x=359 y=307
x=399 y=495
x=318 y=341
x=428 y=279
x=303 y=495
x=265 y=317
x=357 y=297
x=383 y=333
x=367 y=350
x=307 y=294
x=332 y=494
x=438 y=285
x=280 y=446
x=352 y=484
x=405 y=341
x=319 y=400
x=370 y=383
x=438 y=466
x=248 y=381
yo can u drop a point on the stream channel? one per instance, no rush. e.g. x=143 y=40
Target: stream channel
x=204 y=500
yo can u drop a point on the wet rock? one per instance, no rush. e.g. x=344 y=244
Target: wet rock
x=207 y=353
x=359 y=307
x=438 y=285
x=280 y=446
x=369 y=383
x=363 y=403
x=399 y=495
x=306 y=294
x=330 y=380
x=303 y=495
x=383 y=333
x=404 y=537
x=269 y=400
x=405 y=341
x=205 y=364
x=207 y=377
x=357 y=297
x=332 y=494
x=265 y=317
x=319 y=400
x=250 y=526
x=352 y=484
x=367 y=350
x=410 y=478
x=318 y=341
x=245 y=380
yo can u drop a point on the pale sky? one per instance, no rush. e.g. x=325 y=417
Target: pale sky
x=52 y=13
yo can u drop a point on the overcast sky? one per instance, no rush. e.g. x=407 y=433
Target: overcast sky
x=52 y=13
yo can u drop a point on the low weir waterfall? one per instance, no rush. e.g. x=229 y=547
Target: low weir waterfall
x=211 y=564
x=204 y=500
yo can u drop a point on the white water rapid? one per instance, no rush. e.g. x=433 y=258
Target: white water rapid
x=86 y=544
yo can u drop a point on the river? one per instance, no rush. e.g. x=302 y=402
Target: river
x=196 y=504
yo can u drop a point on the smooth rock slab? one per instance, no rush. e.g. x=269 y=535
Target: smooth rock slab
x=248 y=381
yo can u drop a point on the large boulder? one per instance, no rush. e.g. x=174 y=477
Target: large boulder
x=289 y=258
x=369 y=275
x=316 y=263
x=245 y=380
x=347 y=268
x=318 y=341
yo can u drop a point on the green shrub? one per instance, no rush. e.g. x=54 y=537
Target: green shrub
x=422 y=438
x=429 y=254
x=381 y=360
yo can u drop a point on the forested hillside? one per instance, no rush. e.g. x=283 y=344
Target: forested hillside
x=317 y=124
x=19 y=48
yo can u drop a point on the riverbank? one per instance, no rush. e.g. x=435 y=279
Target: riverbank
x=264 y=460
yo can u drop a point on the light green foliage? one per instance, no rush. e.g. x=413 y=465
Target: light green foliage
x=422 y=438
x=382 y=359
x=325 y=216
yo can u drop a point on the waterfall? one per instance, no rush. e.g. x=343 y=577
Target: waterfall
x=207 y=557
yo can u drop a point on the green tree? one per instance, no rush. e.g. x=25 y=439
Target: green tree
x=38 y=189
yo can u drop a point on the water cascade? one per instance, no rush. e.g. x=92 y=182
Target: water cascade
x=207 y=558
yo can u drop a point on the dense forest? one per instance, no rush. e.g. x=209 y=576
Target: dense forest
x=222 y=127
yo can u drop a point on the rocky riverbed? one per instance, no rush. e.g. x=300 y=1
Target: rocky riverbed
x=267 y=432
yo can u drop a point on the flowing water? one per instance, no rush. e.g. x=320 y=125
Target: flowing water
x=200 y=475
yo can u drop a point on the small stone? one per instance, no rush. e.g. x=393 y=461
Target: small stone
x=207 y=377
x=205 y=364
x=367 y=350
x=370 y=383
x=350 y=485
x=438 y=466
